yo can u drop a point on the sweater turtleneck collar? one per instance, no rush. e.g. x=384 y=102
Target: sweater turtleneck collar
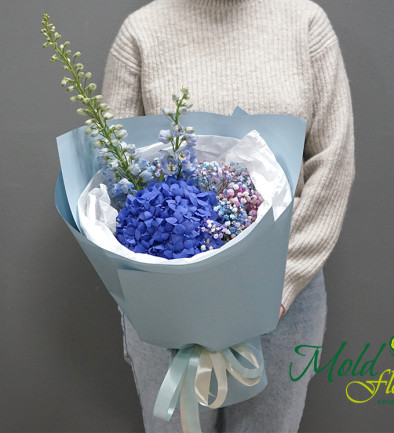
x=222 y=3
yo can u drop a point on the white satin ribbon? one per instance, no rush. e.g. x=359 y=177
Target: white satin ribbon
x=189 y=377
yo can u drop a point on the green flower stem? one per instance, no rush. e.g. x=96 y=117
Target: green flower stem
x=93 y=110
x=177 y=144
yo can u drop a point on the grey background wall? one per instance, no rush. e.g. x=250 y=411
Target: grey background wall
x=61 y=364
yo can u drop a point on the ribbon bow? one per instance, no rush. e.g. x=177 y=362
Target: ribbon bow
x=189 y=377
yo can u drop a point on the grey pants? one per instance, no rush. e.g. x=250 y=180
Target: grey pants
x=278 y=409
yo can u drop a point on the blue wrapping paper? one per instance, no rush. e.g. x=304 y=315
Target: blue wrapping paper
x=231 y=297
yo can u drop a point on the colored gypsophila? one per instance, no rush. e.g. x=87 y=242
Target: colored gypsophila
x=181 y=160
x=118 y=159
x=238 y=199
x=208 y=175
x=168 y=219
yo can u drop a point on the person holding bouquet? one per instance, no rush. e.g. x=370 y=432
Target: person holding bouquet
x=265 y=56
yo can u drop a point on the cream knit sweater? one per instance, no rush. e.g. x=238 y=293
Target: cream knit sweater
x=267 y=56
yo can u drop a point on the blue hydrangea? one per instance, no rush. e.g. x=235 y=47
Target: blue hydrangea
x=167 y=219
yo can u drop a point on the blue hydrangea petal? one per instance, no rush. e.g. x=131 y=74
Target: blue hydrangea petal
x=179 y=229
x=166 y=218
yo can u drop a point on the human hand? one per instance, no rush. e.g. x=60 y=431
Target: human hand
x=281 y=311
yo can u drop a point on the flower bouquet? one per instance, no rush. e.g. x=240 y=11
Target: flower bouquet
x=189 y=234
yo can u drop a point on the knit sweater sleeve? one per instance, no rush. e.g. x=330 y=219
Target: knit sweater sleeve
x=122 y=76
x=328 y=163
